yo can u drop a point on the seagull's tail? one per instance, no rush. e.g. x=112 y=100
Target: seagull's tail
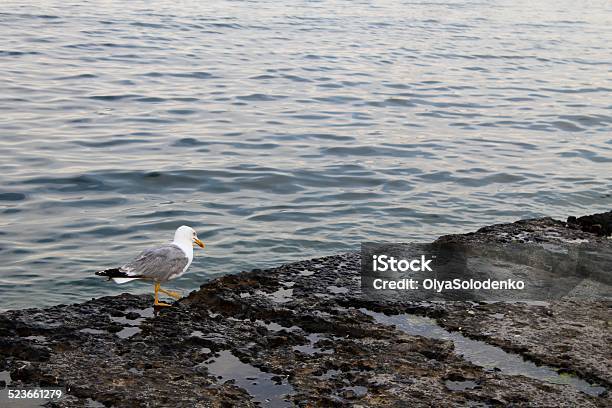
x=117 y=275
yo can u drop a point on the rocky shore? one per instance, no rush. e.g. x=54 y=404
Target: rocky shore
x=303 y=334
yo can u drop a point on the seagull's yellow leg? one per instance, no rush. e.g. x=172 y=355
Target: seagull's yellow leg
x=175 y=295
x=157 y=302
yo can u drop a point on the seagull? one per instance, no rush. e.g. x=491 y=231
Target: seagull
x=159 y=264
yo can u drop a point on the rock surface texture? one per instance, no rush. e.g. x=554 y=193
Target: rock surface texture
x=303 y=335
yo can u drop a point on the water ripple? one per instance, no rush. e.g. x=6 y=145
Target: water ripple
x=283 y=133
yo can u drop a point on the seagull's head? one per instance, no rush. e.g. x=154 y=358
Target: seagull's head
x=187 y=235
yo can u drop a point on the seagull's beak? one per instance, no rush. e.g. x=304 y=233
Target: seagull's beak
x=198 y=242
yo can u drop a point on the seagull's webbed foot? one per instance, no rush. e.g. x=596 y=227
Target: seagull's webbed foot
x=175 y=295
x=157 y=290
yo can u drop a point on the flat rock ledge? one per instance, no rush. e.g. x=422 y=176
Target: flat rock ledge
x=303 y=335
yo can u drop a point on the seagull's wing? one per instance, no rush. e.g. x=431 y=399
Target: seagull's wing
x=158 y=263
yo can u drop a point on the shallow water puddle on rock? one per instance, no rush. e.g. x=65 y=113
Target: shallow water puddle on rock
x=337 y=289
x=481 y=353
x=41 y=339
x=90 y=403
x=460 y=385
x=128 y=332
x=356 y=391
x=280 y=296
x=132 y=324
x=146 y=313
x=257 y=383
x=307 y=273
x=275 y=327
x=329 y=374
x=310 y=348
x=135 y=371
x=92 y=331
x=6 y=377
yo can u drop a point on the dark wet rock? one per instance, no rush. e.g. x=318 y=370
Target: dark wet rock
x=600 y=224
x=298 y=335
x=132 y=316
x=540 y=230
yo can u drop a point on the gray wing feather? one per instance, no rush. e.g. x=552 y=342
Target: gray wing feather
x=157 y=263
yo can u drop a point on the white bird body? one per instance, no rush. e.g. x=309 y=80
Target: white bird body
x=168 y=261
x=159 y=264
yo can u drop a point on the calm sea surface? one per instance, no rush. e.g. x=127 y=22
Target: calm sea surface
x=283 y=130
